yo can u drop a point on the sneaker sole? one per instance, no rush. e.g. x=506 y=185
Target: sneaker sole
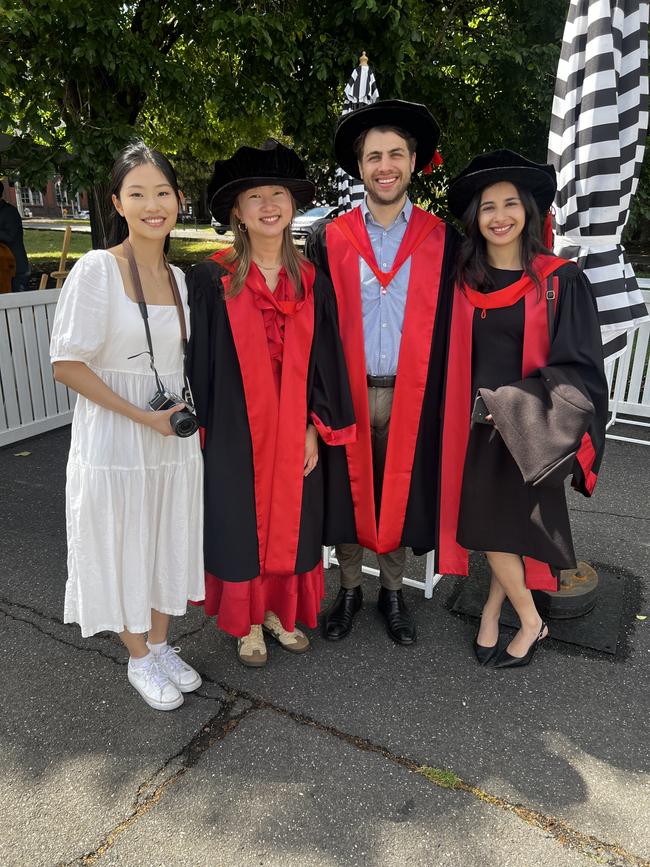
x=252 y=663
x=189 y=687
x=157 y=705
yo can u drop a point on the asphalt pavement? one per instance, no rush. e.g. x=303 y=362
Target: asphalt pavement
x=357 y=753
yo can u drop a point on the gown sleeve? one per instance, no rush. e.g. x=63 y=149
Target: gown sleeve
x=330 y=400
x=81 y=319
x=203 y=286
x=577 y=343
x=553 y=421
x=316 y=249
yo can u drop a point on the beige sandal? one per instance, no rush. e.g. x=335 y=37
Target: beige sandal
x=294 y=642
x=251 y=650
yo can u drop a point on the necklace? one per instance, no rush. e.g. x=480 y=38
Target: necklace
x=268 y=267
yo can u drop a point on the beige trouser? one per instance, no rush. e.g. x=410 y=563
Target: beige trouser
x=391 y=565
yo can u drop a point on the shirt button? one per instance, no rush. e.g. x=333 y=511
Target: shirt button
x=383 y=355
x=383 y=325
x=383 y=265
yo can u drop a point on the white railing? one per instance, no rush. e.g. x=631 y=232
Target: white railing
x=629 y=379
x=32 y=402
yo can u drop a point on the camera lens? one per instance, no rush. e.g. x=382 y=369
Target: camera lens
x=183 y=423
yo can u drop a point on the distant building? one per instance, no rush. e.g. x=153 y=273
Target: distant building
x=54 y=201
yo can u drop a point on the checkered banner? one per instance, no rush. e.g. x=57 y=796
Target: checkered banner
x=361 y=90
x=596 y=143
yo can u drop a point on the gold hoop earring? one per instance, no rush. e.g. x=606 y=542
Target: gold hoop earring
x=242 y=227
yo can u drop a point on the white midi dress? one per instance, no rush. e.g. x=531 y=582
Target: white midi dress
x=134 y=498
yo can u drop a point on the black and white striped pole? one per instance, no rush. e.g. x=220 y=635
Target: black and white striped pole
x=596 y=143
x=361 y=90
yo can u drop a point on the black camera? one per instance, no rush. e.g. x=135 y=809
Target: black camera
x=183 y=422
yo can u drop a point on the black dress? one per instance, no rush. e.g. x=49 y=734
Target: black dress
x=498 y=510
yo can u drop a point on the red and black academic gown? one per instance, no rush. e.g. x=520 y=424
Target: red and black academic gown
x=409 y=499
x=499 y=337
x=261 y=368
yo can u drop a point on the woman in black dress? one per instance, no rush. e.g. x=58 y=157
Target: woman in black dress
x=524 y=331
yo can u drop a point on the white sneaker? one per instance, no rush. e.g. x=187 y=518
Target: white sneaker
x=154 y=685
x=177 y=670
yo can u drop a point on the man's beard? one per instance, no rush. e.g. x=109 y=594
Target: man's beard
x=397 y=196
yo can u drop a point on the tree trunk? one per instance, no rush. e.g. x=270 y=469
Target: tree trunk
x=100 y=212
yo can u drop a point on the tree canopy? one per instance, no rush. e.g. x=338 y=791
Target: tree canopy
x=196 y=78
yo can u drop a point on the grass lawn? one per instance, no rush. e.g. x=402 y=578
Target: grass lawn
x=44 y=249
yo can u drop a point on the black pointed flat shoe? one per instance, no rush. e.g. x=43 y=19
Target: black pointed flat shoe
x=484 y=654
x=506 y=660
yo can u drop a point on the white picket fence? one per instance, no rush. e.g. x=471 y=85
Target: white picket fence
x=629 y=380
x=32 y=402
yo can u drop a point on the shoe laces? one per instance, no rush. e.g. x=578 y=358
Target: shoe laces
x=274 y=625
x=254 y=641
x=153 y=673
x=272 y=622
x=169 y=659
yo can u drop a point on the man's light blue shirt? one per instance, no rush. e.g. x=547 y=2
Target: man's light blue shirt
x=383 y=312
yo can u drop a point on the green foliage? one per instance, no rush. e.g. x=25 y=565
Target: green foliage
x=196 y=77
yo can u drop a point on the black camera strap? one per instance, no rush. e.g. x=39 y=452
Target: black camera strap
x=142 y=304
x=550 y=305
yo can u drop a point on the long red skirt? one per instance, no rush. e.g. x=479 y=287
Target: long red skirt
x=238 y=605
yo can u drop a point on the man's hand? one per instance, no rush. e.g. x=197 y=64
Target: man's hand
x=311 y=449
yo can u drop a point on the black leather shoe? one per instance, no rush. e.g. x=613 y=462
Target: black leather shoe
x=399 y=623
x=506 y=660
x=484 y=654
x=338 y=619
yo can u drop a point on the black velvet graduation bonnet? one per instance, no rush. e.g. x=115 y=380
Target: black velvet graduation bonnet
x=412 y=117
x=502 y=165
x=270 y=164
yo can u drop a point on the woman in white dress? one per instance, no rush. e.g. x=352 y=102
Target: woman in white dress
x=134 y=492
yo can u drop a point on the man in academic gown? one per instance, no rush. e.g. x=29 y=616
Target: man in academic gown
x=391 y=264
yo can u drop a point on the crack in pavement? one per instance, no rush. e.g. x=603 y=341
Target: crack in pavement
x=6 y=606
x=222 y=723
x=170 y=772
x=5 y=609
x=586 y=844
x=609 y=514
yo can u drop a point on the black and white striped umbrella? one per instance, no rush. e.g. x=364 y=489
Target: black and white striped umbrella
x=596 y=143
x=361 y=90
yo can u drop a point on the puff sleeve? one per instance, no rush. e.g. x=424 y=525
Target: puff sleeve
x=81 y=319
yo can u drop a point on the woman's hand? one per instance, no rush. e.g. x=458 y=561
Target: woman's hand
x=159 y=420
x=311 y=449
x=79 y=377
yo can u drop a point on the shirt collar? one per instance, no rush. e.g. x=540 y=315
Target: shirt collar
x=404 y=215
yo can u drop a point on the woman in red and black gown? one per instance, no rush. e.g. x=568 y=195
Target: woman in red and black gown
x=270 y=388
x=523 y=321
